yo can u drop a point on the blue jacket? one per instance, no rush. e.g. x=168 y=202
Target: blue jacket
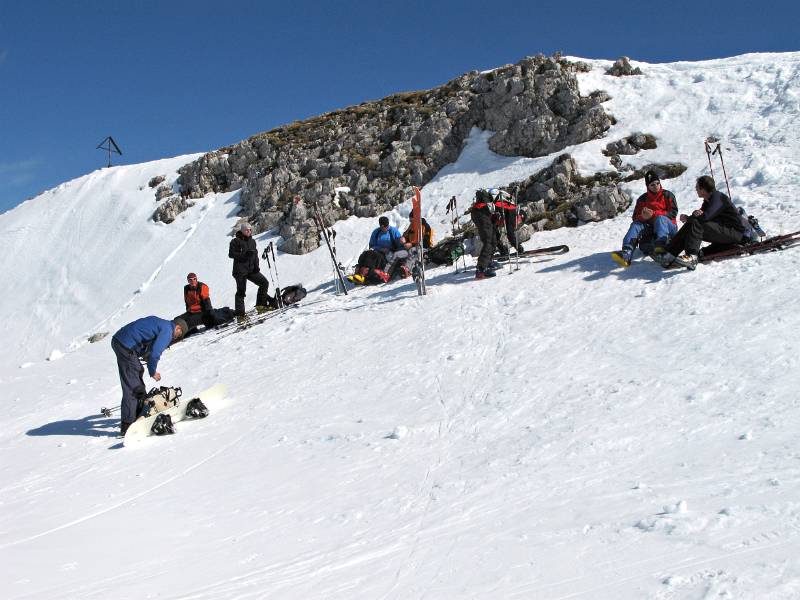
x=389 y=239
x=148 y=337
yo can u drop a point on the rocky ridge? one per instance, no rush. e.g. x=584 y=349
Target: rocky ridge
x=379 y=149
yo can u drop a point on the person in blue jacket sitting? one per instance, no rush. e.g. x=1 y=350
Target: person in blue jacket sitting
x=390 y=242
x=144 y=339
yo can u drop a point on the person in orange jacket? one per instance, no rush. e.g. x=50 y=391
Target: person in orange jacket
x=197 y=298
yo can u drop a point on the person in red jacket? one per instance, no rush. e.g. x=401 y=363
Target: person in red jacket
x=654 y=221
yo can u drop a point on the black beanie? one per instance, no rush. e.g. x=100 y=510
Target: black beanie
x=383 y=221
x=650 y=177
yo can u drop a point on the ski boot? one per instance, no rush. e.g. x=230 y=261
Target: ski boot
x=484 y=273
x=622 y=258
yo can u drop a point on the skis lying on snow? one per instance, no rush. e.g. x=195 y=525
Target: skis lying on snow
x=563 y=249
x=771 y=244
x=168 y=408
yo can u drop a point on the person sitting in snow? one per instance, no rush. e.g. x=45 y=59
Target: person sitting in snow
x=197 y=298
x=410 y=234
x=244 y=253
x=144 y=339
x=199 y=311
x=388 y=240
x=654 y=221
x=716 y=221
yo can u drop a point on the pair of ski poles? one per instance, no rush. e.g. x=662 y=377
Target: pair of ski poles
x=272 y=265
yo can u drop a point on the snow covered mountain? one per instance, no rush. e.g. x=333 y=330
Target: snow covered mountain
x=569 y=430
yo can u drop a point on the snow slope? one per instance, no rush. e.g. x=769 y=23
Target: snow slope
x=569 y=430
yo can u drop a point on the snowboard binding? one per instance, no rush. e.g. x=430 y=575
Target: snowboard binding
x=195 y=409
x=159 y=399
x=163 y=425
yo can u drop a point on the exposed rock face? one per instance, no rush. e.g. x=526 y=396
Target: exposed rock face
x=169 y=210
x=379 y=149
x=622 y=67
x=558 y=196
x=630 y=145
x=163 y=191
x=156 y=180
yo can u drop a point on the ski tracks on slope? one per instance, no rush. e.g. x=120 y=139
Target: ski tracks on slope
x=458 y=424
x=205 y=210
x=133 y=498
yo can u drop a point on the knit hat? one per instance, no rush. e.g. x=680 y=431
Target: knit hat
x=245 y=226
x=182 y=324
x=383 y=221
x=650 y=177
x=191 y=276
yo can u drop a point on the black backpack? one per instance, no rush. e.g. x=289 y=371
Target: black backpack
x=372 y=259
x=292 y=294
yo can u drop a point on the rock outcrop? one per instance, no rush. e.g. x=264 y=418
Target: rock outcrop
x=622 y=68
x=379 y=149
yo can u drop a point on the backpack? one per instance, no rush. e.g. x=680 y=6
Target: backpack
x=752 y=230
x=372 y=259
x=446 y=252
x=292 y=294
x=485 y=196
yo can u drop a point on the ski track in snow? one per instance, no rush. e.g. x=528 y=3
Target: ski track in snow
x=572 y=430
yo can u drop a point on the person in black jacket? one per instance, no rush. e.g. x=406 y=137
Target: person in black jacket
x=244 y=253
x=716 y=221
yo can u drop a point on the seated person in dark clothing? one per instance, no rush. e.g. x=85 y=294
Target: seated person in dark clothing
x=716 y=221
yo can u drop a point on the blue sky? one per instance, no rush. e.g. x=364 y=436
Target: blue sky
x=175 y=77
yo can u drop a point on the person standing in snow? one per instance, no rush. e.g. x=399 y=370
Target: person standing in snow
x=244 y=253
x=654 y=220
x=716 y=221
x=506 y=216
x=143 y=339
x=491 y=210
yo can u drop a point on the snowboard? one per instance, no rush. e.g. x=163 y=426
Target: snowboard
x=140 y=429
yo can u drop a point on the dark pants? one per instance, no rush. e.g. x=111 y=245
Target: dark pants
x=510 y=220
x=193 y=320
x=131 y=372
x=487 y=232
x=694 y=232
x=262 y=297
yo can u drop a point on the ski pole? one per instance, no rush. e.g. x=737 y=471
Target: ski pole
x=107 y=412
x=278 y=297
x=265 y=255
x=708 y=155
x=516 y=223
x=724 y=172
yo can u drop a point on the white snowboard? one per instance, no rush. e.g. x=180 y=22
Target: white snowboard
x=140 y=429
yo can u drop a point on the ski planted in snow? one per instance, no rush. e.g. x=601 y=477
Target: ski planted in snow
x=330 y=241
x=418 y=270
